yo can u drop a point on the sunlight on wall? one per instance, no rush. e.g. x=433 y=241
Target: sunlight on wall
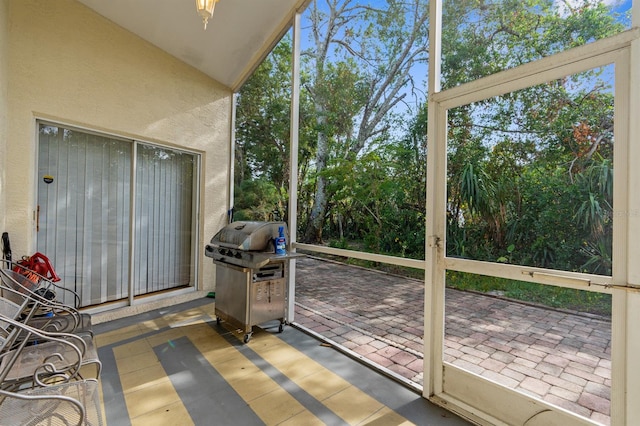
x=70 y=65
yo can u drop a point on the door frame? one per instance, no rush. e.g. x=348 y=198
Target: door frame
x=195 y=266
x=468 y=394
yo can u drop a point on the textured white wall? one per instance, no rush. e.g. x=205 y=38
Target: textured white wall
x=4 y=36
x=68 y=64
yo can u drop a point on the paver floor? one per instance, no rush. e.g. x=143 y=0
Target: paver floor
x=560 y=357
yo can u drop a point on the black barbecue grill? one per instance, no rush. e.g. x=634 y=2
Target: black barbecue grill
x=251 y=280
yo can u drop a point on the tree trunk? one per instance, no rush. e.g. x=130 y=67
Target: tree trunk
x=313 y=233
x=384 y=92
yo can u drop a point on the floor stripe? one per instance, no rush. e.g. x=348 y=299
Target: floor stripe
x=399 y=398
x=312 y=404
x=207 y=396
x=114 y=404
x=265 y=396
x=317 y=392
x=148 y=391
x=200 y=370
x=115 y=347
x=348 y=402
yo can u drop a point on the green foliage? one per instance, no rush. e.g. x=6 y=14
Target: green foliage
x=380 y=198
x=258 y=200
x=482 y=37
x=262 y=125
x=343 y=93
x=556 y=297
x=530 y=169
x=341 y=244
x=529 y=173
x=360 y=66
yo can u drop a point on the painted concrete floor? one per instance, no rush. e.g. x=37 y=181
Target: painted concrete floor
x=560 y=357
x=176 y=366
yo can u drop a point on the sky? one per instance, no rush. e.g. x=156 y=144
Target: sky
x=618 y=5
x=413 y=100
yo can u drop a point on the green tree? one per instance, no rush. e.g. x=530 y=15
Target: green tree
x=257 y=199
x=382 y=208
x=519 y=162
x=377 y=49
x=263 y=135
x=262 y=120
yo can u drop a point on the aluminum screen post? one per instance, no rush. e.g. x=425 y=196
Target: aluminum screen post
x=293 y=163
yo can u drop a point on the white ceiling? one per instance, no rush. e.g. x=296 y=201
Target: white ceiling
x=239 y=35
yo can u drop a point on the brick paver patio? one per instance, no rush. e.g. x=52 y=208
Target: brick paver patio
x=560 y=357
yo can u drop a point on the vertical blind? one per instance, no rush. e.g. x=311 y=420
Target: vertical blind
x=164 y=200
x=85 y=214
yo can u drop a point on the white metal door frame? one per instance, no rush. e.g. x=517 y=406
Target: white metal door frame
x=477 y=398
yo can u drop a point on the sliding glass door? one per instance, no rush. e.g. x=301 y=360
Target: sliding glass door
x=100 y=199
x=163 y=219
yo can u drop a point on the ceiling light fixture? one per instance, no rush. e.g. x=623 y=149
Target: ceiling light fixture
x=205 y=9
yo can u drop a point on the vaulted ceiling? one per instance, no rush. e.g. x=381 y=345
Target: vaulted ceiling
x=239 y=35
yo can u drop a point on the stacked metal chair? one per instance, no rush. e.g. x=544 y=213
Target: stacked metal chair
x=71 y=403
x=49 y=366
x=52 y=315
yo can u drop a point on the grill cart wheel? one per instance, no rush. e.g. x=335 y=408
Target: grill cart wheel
x=281 y=328
x=218 y=320
x=247 y=337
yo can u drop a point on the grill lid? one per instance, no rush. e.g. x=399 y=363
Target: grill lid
x=248 y=236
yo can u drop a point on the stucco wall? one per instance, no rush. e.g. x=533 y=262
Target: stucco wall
x=4 y=36
x=70 y=65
